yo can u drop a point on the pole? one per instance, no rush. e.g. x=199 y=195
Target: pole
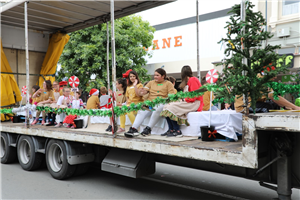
x=198 y=55
x=107 y=55
x=244 y=60
x=210 y=109
x=113 y=51
x=27 y=63
x=113 y=59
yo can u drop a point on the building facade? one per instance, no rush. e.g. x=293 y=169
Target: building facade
x=175 y=37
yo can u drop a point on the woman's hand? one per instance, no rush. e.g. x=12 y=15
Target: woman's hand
x=135 y=82
x=110 y=92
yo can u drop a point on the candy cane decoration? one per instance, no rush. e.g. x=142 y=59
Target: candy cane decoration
x=74 y=81
x=24 y=89
x=212 y=76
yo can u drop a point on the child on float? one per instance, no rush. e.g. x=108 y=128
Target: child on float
x=176 y=112
x=56 y=93
x=64 y=101
x=105 y=103
x=77 y=103
x=120 y=99
x=206 y=98
x=93 y=101
x=173 y=81
x=159 y=87
x=46 y=97
x=35 y=100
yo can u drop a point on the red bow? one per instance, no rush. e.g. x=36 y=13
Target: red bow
x=127 y=73
x=212 y=133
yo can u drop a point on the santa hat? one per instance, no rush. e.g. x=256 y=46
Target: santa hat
x=94 y=91
x=127 y=73
x=63 y=83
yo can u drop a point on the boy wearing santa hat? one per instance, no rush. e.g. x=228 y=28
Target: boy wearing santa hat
x=93 y=101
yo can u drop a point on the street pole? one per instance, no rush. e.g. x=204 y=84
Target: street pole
x=27 y=63
x=113 y=51
x=244 y=60
x=198 y=54
x=113 y=58
x=107 y=54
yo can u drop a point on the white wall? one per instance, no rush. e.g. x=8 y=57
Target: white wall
x=210 y=33
x=13 y=37
x=181 y=9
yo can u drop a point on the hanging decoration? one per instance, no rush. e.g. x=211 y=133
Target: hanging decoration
x=24 y=90
x=74 y=81
x=212 y=76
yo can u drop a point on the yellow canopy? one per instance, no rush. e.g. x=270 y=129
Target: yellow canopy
x=8 y=83
x=56 y=45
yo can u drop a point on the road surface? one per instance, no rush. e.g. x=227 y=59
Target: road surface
x=169 y=182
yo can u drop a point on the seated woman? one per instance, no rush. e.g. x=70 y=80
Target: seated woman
x=159 y=87
x=46 y=97
x=176 y=112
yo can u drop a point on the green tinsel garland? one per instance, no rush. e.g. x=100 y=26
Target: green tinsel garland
x=6 y=111
x=124 y=109
x=278 y=88
x=282 y=89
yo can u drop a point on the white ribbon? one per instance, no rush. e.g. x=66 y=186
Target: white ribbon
x=24 y=108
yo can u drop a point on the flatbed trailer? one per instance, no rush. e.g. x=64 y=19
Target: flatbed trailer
x=268 y=151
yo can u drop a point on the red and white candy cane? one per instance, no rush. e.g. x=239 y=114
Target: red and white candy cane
x=24 y=89
x=212 y=76
x=74 y=81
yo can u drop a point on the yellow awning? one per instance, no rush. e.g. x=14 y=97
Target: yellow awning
x=56 y=46
x=8 y=83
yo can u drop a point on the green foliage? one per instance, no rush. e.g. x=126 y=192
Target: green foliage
x=85 y=53
x=259 y=58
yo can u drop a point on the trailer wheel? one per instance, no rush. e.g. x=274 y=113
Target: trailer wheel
x=28 y=158
x=8 y=153
x=56 y=160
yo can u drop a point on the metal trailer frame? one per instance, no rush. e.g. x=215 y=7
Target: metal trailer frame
x=267 y=152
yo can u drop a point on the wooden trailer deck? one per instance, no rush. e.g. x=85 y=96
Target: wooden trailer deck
x=187 y=147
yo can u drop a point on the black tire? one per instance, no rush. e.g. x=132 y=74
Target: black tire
x=81 y=169
x=28 y=158
x=56 y=160
x=8 y=153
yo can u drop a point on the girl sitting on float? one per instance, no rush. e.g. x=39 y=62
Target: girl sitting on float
x=159 y=87
x=176 y=112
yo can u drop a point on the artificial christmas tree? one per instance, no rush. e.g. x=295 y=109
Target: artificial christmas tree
x=245 y=40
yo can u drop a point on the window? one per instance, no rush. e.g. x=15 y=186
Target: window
x=290 y=7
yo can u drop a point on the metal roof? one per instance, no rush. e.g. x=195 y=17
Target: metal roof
x=69 y=16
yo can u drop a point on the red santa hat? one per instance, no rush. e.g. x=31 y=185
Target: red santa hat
x=127 y=73
x=94 y=91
